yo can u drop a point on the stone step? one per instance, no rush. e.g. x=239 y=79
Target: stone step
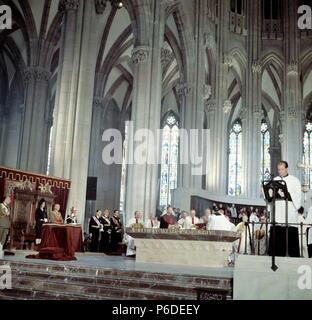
x=134 y=275
x=124 y=282
x=34 y=289
x=65 y=282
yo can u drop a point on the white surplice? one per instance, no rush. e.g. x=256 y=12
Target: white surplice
x=221 y=223
x=190 y=222
x=294 y=189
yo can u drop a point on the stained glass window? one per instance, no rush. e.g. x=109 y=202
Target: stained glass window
x=235 y=160
x=124 y=169
x=307 y=150
x=169 y=159
x=265 y=152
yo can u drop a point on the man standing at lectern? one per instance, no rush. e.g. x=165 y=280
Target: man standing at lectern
x=294 y=203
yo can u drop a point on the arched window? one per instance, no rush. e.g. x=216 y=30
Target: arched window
x=235 y=159
x=265 y=152
x=307 y=149
x=169 y=159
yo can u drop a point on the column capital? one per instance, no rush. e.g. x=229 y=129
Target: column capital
x=36 y=73
x=100 y=6
x=258 y=112
x=209 y=41
x=211 y=105
x=183 y=89
x=165 y=56
x=256 y=67
x=207 y=91
x=140 y=54
x=292 y=112
x=227 y=60
x=227 y=106
x=292 y=69
x=66 y=5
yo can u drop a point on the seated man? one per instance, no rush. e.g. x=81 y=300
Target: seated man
x=168 y=219
x=191 y=221
x=182 y=219
x=72 y=217
x=152 y=222
x=55 y=216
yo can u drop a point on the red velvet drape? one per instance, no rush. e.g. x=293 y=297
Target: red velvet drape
x=60 y=187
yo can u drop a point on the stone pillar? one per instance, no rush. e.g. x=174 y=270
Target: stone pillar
x=32 y=143
x=252 y=105
x=292 y=131
x=219 y=132
x=192 y=95
x=74 y=99
x=142 y=179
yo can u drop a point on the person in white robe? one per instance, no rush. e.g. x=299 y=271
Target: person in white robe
x=191 y=220
x=243 y=244
x=294 y=190
x=182 y=219
x=260 y=237
x=152 y=222
x=304 y=228
x=220 y=222
x=128 y=240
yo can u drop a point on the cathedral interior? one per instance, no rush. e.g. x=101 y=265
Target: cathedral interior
x=155 y=107
x=71 y=69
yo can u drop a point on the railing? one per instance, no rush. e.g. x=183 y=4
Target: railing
x=250 y=233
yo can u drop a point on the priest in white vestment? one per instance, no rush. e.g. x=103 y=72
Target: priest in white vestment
x=152 y=222
x=219 y=221
x=294 y=190
x=191 y=220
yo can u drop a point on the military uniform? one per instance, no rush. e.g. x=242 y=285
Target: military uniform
x=116 y=232
x=4 y=223
x=105 y=234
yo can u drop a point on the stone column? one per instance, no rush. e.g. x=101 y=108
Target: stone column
x=252 y=105
x=292 y=130
x=95 y=159
x=219 y=133
x=74 y=99
x=192 y=94
x=142 y=179
x=32 y=144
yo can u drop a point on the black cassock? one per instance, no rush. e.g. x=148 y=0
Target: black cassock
x=40 y=215
x=280 y=242
x=105 y=234
x=94 y=229
x=116 y=236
